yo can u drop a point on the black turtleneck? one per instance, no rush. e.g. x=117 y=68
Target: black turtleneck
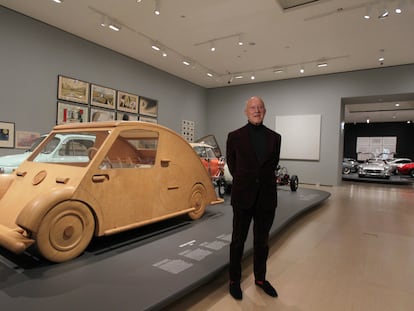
x=257 y=135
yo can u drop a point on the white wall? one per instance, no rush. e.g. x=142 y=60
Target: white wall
x=33 y=54
x=311 y=95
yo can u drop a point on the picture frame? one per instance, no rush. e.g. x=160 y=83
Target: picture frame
x=7 y=134
x=101 y=115
x=148 y=119
x=103 y=96
x=125 y=116
x=148 y=106
x=25 y=139
x=71 y=113
x=73 y=90
x=127 y=102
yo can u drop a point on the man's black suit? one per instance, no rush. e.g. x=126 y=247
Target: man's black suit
x=252 y=157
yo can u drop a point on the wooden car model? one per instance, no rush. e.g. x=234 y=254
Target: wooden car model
x=136 y=173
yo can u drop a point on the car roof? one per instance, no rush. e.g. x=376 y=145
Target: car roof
x=200 y=145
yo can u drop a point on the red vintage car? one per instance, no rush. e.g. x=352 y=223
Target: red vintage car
x=407 y=169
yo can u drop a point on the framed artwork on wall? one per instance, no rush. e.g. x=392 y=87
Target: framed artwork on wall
x=125 y=116
x=103 y=96
x=24 y=140
x=71 y=113
x=102 y=115
x=7 y=132
x=127 y=102
x=148 y=107
x=148 y=119
x=73 y=90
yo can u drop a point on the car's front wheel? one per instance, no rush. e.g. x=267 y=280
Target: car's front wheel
x=294 y=183
x=412 y=173
x=65 y=231
x=197 y=201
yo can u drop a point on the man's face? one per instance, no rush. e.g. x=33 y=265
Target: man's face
x=255 y=111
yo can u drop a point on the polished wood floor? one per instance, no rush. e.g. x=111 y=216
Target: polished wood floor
x=355 y=252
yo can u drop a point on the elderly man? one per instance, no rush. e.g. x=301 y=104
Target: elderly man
x=252 y=156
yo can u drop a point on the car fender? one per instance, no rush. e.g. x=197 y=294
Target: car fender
x=32 y=214
x=5 y=182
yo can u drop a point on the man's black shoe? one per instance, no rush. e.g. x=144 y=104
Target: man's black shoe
x=267 y=288
x=235 y=290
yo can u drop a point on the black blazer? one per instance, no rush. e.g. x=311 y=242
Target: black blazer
x=252 y=179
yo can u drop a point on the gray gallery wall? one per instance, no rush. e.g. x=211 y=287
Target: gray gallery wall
x=311 y=95
x=33 y=54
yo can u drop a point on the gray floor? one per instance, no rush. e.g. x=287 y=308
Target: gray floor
x=143 y=269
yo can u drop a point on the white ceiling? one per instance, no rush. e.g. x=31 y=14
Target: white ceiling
x=332 y=31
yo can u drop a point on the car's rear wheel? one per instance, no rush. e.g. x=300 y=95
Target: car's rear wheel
x=294 y=183
x=65 y=231
x=198 y=201
x=346 y=170
x=412 y=173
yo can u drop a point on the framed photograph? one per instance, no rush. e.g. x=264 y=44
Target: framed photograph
x=148 y=107
x=71 y=113
x=7 y=134
x=103 y=96
x=102 y=115
x=24 y=140
x=127 y=102
x=125 y=116
x=148 y=119
x=73 y=90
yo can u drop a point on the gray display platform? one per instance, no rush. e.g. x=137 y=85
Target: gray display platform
x=143 y=269
x=394 y=179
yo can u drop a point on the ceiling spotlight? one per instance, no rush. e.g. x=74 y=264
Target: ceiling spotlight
x=212 y=46
x=278 y=71
x=302 y=70
x=139 y=1
x=381 y=59
x=252 y=77
x=155 y=46
x=367 y=120
x=397 y=105
x=186 y=62
x=320 y=65
x=398 y=9
x=164 y=53
x=367 y=14
x=157 y=7
x=103 y=21
x=383 y=13
x=58 y=1
x=240 y=41
x=210 y=74
x=114 y=27
x=238 y=77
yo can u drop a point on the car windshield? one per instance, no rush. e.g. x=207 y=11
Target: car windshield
x=36 y=143
x=71 y=148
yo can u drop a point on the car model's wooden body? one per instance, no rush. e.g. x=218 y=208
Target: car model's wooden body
x=136 y=173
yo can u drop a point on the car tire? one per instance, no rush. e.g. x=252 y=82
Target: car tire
x=346 y=170
x=412 y=173
x=65 y=231
x=294 y=183
x=197 y=201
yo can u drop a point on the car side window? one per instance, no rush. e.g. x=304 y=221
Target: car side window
x=75 y=147
x=132 y=149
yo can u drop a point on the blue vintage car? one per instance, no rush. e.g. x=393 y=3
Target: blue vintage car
x=73 y=148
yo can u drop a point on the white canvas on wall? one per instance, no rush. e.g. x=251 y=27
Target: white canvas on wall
x=300 y=136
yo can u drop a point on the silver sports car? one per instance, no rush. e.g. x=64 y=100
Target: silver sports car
x=375 y=168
